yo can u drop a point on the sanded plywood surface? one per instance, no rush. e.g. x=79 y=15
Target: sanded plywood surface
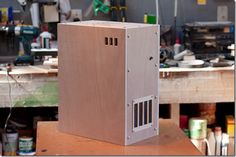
x=91 y=79
x=142 y=75
x=110 y=24
x=171 y=141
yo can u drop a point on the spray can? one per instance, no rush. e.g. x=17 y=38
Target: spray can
x=10 y=14
x=177 y=46
x=45 y=38
x=145 y=18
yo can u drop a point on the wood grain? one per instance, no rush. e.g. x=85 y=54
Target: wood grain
x=197 y=86
x=171 y=141
x=91 y=79
x=95 y=88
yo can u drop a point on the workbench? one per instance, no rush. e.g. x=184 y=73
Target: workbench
x=177 y=86
x=195 y=85
x=36 y=86
x=171 y=141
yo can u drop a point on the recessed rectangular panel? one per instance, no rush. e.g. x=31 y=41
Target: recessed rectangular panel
x=142 y=82
x=142 y=112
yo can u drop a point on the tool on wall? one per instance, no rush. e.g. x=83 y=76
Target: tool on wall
x=123 y=9
x=99 y=5
x=26 y=34
x=22 y=3
x=175 y=19
x=114 y=10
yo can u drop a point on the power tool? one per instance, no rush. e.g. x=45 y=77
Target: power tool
x=26 y=35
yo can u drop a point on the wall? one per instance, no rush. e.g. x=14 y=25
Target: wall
x=188 y=10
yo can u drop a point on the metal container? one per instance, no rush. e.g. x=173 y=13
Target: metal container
x=25 y=144
x=198 y=128
x=9 y=143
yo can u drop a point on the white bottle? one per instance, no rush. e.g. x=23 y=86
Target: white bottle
x=177 y=46
x=45 y=38
x=212 y=143
x=218 y=136
x=224 y=144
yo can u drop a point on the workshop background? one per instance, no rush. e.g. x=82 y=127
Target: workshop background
x=196 y=83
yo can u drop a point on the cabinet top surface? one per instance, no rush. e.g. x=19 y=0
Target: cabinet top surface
x=109 y=24
x=170 y=141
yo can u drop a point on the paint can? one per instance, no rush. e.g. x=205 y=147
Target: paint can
x=25 y=144
x=9 y=142
x=198 y=128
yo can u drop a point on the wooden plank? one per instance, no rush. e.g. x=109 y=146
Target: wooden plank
x=206 y=69
x=197 y=87
x=174 y=113
x=171 y=141
x=30 y=91
x=34 y=87
x=24 y=70
x=110 y=24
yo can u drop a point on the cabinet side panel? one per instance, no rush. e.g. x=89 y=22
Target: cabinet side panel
x=91 y=77
x=142 y=83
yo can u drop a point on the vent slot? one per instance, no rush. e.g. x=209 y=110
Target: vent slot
x=116 y=41
x=106 y=40
x=142 y=113
x=111 y=41
x=150 y=111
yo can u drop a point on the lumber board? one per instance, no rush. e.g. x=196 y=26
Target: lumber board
x=197 y=87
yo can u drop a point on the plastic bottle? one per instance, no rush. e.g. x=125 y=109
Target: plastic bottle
x=177 y=46
x=224 y=144
x=218 y=137
x=45 y=38
x=212 y=143
x=145 y=18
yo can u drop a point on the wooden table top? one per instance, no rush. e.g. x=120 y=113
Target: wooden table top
x=26 y=70
x=170 y=141
x=44 y=69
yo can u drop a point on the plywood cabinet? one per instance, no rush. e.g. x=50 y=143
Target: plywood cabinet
x=108 y=80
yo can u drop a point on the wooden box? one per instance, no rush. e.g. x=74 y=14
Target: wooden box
x=108 y=80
